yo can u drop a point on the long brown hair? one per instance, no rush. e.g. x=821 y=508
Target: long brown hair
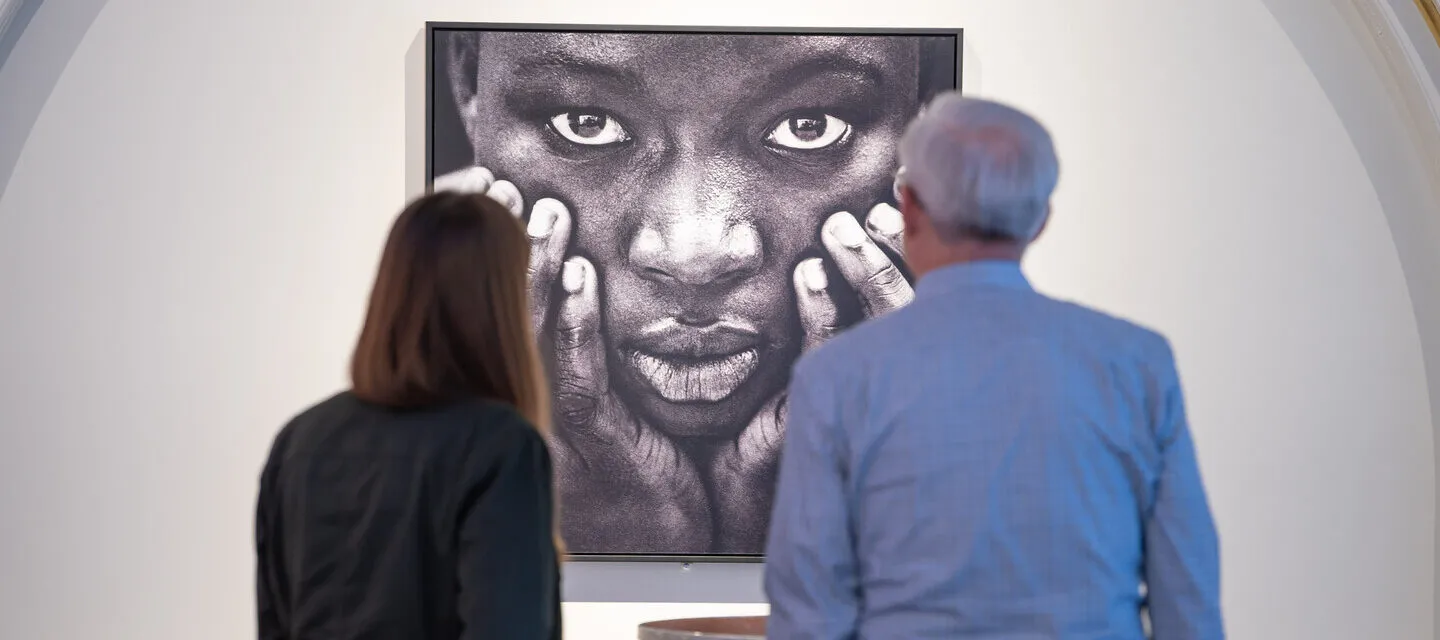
x=448 y=317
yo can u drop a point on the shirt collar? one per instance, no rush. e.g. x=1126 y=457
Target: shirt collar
x=965 y=275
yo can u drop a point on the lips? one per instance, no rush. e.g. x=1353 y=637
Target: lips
x=695 y=364
x=710 y=380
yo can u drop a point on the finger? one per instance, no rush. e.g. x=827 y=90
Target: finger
x=761 y=441
x=549 y=232
x=881 y=286
x=887 y=228
x=580 y=376
x=469 y=180
x=505 y=192
x=819 y=317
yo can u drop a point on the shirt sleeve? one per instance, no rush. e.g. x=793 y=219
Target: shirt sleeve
x=269 y=568
x=1182 y=549
x=811 y=571
x=507 y=557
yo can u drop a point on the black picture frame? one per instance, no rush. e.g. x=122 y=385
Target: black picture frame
x=434 y=27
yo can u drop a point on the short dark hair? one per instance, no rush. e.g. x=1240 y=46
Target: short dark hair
x=449 y=314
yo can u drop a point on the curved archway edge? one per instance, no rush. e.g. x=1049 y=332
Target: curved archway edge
x=1387 y=104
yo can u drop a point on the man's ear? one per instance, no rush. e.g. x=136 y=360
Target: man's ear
x=910 y=212
x=463 y=52
x=1044 y=223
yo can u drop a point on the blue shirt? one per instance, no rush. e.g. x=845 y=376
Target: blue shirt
x=990 y=463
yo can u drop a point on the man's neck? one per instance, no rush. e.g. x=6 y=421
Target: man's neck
x=968 y=251
x=986 y=252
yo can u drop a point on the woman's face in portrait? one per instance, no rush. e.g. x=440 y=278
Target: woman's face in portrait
x=698 y=170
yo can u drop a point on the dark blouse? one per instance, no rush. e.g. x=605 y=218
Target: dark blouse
x=379 y=524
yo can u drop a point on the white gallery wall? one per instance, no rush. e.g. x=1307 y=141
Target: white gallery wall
x=198 y=189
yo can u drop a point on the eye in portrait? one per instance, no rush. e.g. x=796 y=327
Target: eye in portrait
x=702 y=208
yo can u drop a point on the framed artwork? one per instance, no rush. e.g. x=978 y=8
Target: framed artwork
x=703 y=205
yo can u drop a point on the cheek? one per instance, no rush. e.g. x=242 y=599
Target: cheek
x=796 y=205
x=523 y=156
x=873 y=163
x=516 y=154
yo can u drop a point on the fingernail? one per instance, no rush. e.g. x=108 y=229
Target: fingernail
x=813 y=273
x=885 y=220
x=847 y=231
x=504 y=192
x=498 y=193
x=573 y=277
x=472 y=180
x=542 y=219
x=479 y=179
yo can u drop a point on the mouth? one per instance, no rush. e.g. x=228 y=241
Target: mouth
x=686 y=364
x=695 y=379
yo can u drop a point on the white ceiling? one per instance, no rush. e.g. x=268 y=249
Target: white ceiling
x=1413 y=25
x=8 y=9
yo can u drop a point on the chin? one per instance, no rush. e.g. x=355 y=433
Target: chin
x=725 y=419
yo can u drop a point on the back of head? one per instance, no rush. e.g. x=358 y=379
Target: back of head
x=980 y=169
x=449 y=315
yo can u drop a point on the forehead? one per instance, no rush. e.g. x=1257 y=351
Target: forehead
x=699 y=52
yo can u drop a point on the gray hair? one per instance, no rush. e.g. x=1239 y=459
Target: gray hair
x=979 y=167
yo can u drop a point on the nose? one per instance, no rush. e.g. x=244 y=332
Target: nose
x=693 y=231
x=697 y=252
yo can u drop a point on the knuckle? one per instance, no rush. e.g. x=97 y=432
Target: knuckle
x=887 y=290
x=540 y=276
x=574 y=338
x=539 y=292
x=884 y=234
x=541 y=272
x=887 y=280
x=575 y=408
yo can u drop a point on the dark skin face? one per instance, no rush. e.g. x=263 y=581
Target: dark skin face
x=699 y=170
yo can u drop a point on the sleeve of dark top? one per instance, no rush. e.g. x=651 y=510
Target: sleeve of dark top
x=506 y=549
x=268 y=577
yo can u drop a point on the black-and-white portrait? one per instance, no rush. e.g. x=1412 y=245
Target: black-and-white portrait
x=702 y=208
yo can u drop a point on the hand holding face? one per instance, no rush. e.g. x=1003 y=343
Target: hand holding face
x=549 y=231
x=623 y=482
x=865 y=266
x=744 y=475
x=603 y=452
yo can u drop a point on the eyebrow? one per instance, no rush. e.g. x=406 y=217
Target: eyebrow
x=566 y=64
x=833 y=63
x=813 y=68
